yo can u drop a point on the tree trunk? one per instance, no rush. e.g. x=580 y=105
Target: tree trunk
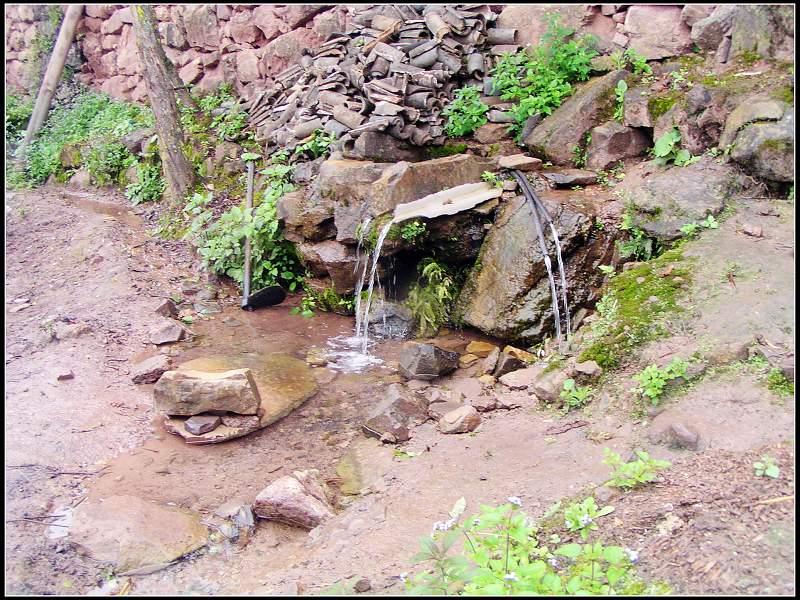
x=161 y=89
x=55 y=67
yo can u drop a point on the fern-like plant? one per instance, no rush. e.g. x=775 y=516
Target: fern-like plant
x=431 y=297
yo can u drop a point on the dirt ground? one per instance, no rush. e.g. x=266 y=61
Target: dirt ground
x=708 y=527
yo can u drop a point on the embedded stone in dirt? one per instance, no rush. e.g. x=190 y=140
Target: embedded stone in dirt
x=167 y=332
x=589 y=368
x=752 y=230
x=187 y=393
x=66 y=376
x=522 y=355
x=134 y=535
x=522 y=378
x=674 y=433
x=426 y=361
x=232 y=426
x=363 y=465
x=65 y=331
x=166 y=308
x=396 y=413
x=480 y=349
x=548 y=386
x=200 y=424
x=466 y=360
x=571 y=177
x=484 y=403
x=461 y=420
x=294 y=502
x=150 y=369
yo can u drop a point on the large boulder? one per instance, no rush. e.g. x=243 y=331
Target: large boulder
x=135 y=535
x=187 y=393
x=657 y=31
x=508 y=293
x=393 y=417
x=426 y=361
x=202 y=27
x=556 y=136
x=672 y=197
x=305 y=218
x=766 y=150
x=708 y=32
x=298 y=499
x=700 y=119
x=530 y=20
x=612 y=142
x=765 y=29
x=749 y=111
x=333 y=259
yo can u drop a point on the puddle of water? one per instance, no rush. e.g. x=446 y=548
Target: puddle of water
x=347 y=355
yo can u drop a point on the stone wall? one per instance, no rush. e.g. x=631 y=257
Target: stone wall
x=209 y=43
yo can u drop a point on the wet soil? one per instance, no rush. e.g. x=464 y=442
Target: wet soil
x=88 y=258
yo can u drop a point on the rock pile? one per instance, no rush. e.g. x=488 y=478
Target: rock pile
x=392 y=72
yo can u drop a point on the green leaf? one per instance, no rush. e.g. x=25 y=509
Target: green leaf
x=772 y=471
x=250 y=156
x=614 y=554
x=569 y=550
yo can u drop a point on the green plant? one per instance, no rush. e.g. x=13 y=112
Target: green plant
x=465 y=113
x=317 y=146
x=667 y=149
x=106 y=162
x=638 y=62
x=619 y=93
x=607 y=270
x=608 y=178
x=538 y=79
x=502 y=552
x=581 y=516
x=652 y=380
x=779 y=384
x=209 y=102
x=618 y=60
x=628 y=475
x=638 y=245
x=149 y=185
x=492 y=179
x=18 y=112
x=230 y=125
x=413 y=231
x=430 y=297
x=326 y=300
x=579 y=154
x=691 y=229
x=575 y=396
x=766 y=467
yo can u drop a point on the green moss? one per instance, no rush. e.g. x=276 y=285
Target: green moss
x=749 y=57
x=659 y=105
x=778 y=384
x=635 y=319
x=776 y=145
x=446 y=150
x=784 y=94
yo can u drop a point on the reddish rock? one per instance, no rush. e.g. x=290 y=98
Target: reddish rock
x=112 y=24
x=294 y=502
x=200 y=424
x=128 y=55
x=657 y=31
x=461 y=420
x=191 y=72
x=172 y=35
x=110 y=42
x=520 y=162
x=99 y=11
x=118 y=86
x=243 y=29
x=285 y=50
x=150 y=369
x=224 y=12
x=265 y=19
x=612 y=142
x=93 y=25
x=125 y=15
x=202 y=27
x=247 y=65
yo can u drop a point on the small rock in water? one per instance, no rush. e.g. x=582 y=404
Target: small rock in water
x=426 y=361
x=317 y=357
x=461 y=420
x=200 y=424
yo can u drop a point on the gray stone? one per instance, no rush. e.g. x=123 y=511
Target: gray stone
x=664 y=207
x=766 y=150
x=506 y=363
x=567 y=178
x=612 y=142
x=134 y=140
x=749 y=111
x=305 y=219
x=708 y=31
x=305 y=172
x=66 y=331
x=187 y=393
x=461 y=420
x=692 y=13
x=167 y=332
x=150 y=369
x=522 y=378
x=765 y=29
x=391 y=320
x=381 y=147
x=491 y=133
x=396 y=413
x=295 y=501
x=548 y=386
x=490 y=362
x=509 y=296
x=333 y=259
x=556 y=136
x=200 y=424
x=426 y=361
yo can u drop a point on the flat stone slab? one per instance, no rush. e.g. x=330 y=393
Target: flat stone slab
x=570 y=177
x=134 y=535
x=187 y=393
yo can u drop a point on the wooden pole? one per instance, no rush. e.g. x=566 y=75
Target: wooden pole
x=55 y=67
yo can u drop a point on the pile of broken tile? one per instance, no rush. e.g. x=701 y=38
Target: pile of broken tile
x=393 y=72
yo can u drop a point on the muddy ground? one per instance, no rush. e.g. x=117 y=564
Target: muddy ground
x=709 y=526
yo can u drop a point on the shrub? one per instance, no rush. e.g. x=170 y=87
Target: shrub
x=431 y=297
x=667 y=149
x=150 y=184
x=465 y=113
x=107 y=161
x=628 y=475
x=652 y=380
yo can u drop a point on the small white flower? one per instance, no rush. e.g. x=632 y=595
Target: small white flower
x=514 y=500
x=510 y=577
x=633 y=555
x=586 y=520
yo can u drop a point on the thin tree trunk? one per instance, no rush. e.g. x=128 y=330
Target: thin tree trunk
x=161 y=89
x=55 y=67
